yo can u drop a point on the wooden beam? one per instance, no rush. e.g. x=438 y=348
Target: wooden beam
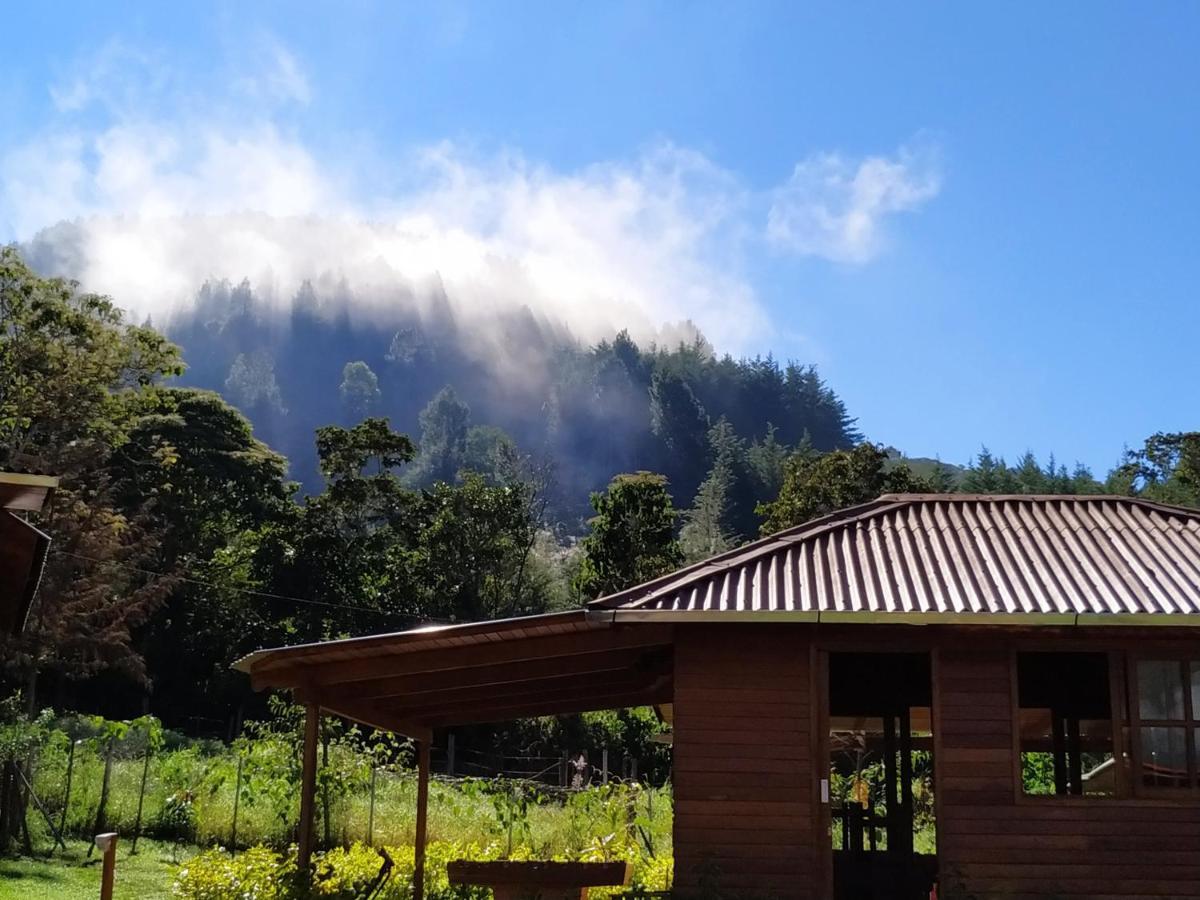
x=308 y=787
x=542 y=707
x=370 y=714
x=418 y=891
x=502 y=674
x=464 y=656
x=428 y=705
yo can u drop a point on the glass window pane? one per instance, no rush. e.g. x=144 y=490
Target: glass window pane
x=1160 y=689
x=1196 y=691
x=1164 y=757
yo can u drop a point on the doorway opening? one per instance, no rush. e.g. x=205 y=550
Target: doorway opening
x=883 y=828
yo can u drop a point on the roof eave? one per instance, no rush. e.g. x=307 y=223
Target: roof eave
x=867 y=617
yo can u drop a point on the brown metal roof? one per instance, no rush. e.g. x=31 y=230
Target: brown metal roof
x=939 y=557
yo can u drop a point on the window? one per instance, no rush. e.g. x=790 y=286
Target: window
x=1066 y=724
x=1168 y=712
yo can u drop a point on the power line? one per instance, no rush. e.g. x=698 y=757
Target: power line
x=249 y=592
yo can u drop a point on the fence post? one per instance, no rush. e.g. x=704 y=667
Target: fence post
x=633 y=769
x=100 y=818
x=137 y=822
x=604 y=765
x=450 y=753
x=562 y=770
x=108 y=846
x=371 y=811
x=237 y=796
x=62 y=823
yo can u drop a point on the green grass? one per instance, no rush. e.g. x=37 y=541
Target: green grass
x=71 y=876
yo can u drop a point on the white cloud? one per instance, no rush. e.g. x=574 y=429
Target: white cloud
x=168 y=190
x=835 y=208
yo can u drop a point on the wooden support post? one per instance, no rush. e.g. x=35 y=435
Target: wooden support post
x=308 y=787
x=418 y=892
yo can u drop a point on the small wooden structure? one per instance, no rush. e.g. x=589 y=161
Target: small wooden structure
x=936 y=674
x=23 y=548
x=539 y=880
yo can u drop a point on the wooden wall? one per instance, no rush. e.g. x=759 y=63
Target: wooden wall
x=996 y=844
x=743 y=761
x=746 y=784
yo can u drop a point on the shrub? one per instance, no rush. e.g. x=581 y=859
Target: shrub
x=257 y=874
x=342 y=874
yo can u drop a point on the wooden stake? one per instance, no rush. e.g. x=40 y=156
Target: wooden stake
x=418 y=892
x=308 y=787
x=108 y=846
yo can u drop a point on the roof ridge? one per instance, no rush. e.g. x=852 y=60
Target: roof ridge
x=746 y=552
x=1172 y=508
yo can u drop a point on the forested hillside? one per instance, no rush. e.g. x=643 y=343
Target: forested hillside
x=466 y=389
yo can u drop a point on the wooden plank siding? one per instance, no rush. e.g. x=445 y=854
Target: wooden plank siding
x=994 y=843
x=743 y=762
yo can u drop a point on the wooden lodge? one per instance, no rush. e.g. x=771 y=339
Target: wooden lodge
x=997 y=694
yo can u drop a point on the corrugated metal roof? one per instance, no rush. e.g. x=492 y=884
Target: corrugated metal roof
x=951 y=555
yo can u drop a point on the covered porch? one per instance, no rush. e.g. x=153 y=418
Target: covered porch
x=414 y=682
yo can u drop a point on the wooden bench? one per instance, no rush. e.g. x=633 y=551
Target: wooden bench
x=511 y=880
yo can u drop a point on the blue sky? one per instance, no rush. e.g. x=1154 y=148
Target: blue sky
x=981 y=223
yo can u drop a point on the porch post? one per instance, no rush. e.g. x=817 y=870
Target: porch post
x=418 y=892
x=308 y=786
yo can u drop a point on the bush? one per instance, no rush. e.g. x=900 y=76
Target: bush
x=257 y=874
x=342 y=874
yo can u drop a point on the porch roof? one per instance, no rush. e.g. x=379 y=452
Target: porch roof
x=416 y=680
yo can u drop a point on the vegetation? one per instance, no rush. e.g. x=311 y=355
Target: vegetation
x=435 y=481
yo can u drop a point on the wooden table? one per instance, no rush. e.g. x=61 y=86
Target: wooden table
x=511 y=880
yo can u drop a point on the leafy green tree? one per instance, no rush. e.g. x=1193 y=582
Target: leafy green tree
x=817 y=485
x=1166 y=468
x=359 y=390
x=632 y=535
x=76 y=381
x=205 y=483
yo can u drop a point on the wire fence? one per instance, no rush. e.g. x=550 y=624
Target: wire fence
x=74 y=785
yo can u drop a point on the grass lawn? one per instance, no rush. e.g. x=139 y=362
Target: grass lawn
x=71 y=876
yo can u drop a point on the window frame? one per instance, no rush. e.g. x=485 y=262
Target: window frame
x=1119 y=700
x=1190 y=722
